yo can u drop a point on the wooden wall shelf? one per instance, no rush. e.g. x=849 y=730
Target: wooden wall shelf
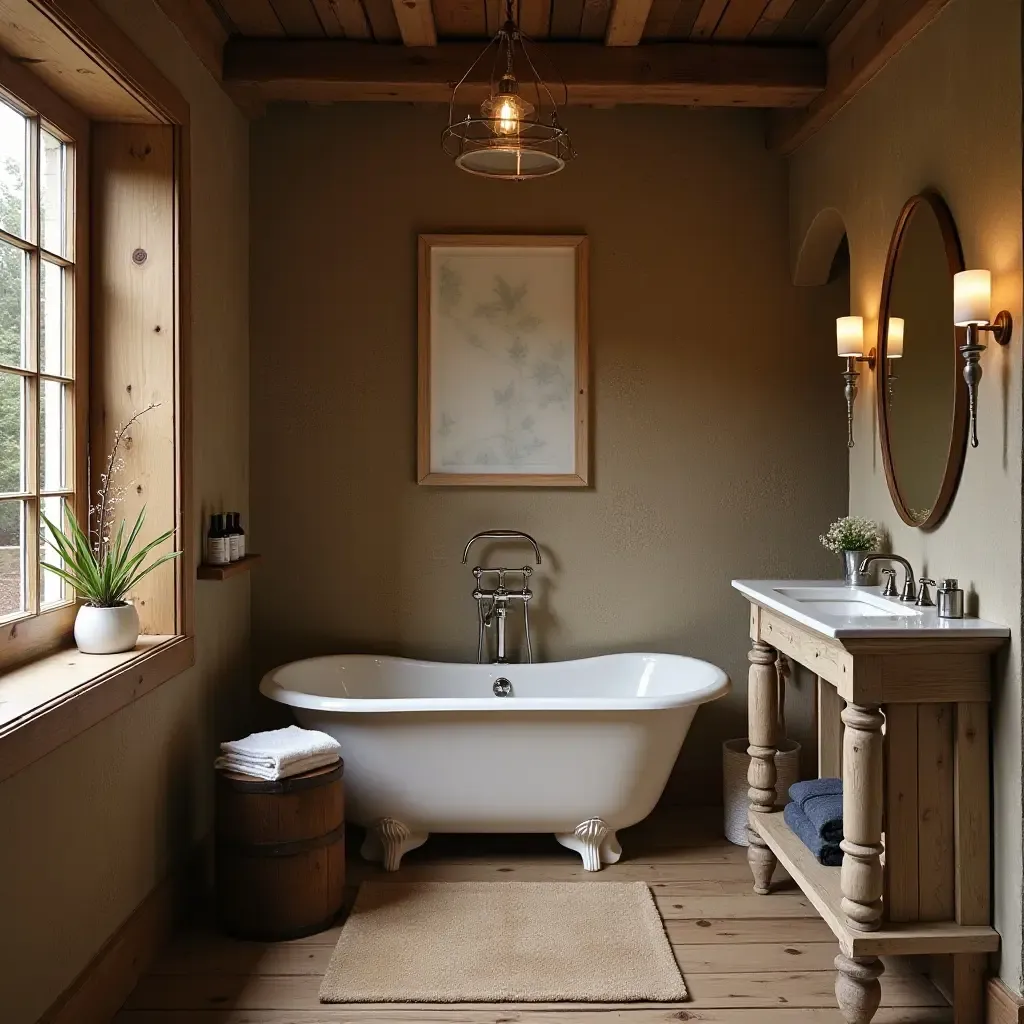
x=223 y=572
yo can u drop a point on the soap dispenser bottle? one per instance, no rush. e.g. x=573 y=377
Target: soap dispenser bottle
x=951 y=600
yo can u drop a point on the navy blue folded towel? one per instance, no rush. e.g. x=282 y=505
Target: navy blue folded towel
x=821 y=801
x=826 y=853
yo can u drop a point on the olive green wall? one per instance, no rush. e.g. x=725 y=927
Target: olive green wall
x=934 y=120
x=718 y=423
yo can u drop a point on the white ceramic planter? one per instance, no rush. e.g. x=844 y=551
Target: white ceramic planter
x=106 y=630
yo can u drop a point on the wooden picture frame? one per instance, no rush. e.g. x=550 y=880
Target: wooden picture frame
x=503 y=390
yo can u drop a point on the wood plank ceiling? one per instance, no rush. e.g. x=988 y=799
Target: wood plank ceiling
x=805 y=58
x=619 y=22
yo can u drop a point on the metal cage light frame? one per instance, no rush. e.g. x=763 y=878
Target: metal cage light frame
x=511 y=139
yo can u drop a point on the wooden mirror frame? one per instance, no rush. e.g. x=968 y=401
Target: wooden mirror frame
x=958 y=430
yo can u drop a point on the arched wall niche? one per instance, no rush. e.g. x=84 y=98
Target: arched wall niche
x=819 y=249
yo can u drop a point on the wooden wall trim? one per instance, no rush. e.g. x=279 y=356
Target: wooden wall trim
x=135 y=337
x=1002 y=1005
x=871 y=39
x=189 y=527
x=96 y=34
x=96 y=995
x=33 y=91
x=88 y=31
x=691 y=74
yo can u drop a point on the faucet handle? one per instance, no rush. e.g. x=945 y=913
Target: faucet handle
x=924 y=599
x=889 y=590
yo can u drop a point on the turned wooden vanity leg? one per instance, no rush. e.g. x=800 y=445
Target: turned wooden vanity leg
x=762 y=729
x=858 y=991
x=862 y=816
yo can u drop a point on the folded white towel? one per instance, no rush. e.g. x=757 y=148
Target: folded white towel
x=277 y=753
x=230 y=763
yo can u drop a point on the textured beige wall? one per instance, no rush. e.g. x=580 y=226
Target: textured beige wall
x=89 y=830
x=932 y=119
x=718 y=432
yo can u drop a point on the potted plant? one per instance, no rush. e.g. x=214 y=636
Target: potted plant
x=105 y=570
x=853 y=537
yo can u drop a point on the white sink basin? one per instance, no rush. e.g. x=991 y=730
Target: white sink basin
x=847 y=603
x=832 y=609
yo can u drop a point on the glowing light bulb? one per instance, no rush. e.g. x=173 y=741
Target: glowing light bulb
x=505 y=109
x=508 y=122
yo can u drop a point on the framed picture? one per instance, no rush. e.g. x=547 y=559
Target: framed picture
x=503 y=370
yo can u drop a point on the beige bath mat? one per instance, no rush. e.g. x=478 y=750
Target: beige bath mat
x=492 y=942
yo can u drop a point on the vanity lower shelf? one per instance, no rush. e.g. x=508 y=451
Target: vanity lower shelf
x=821 y=886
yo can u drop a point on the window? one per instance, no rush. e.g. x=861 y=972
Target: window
x=42 y=451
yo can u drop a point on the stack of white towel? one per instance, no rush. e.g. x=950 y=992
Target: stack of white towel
x=279 y=753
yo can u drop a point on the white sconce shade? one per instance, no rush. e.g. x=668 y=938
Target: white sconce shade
x=850 y=336
x=894 y=338
x=972 y=297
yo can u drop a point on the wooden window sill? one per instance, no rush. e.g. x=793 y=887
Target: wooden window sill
x=52 y=700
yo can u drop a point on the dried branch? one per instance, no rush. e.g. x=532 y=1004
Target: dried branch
x=107 y=500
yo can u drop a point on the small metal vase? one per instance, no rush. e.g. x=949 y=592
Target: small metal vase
x=851 y=566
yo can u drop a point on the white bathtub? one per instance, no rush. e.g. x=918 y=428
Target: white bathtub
x=578 y=748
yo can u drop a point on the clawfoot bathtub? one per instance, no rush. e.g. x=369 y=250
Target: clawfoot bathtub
x=577 y=748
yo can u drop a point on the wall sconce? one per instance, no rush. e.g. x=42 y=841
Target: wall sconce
x=850 y=346
x=972 y=308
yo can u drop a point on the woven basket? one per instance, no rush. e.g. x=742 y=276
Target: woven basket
x=735 y=761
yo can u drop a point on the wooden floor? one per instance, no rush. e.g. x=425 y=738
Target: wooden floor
x=747 y=959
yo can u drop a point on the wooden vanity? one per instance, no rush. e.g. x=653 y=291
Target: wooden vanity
x=903 y=719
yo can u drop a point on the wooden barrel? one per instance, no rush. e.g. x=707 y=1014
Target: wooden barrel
x=280 y=853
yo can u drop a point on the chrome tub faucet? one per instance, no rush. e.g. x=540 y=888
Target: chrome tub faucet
x=501 y=535
x=492 y=604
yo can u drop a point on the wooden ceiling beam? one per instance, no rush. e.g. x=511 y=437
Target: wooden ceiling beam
x=202 y=30
x=416 y=22
x=627 y=21
x=689 y=74
x=870 y=40
x=206 y=36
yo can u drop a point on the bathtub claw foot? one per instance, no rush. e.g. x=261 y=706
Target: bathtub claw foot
x=388 y=840
x=594 y=841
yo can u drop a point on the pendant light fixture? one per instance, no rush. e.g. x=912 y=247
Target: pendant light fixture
x=511 y=138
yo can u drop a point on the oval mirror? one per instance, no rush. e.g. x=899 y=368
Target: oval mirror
x=922 y=398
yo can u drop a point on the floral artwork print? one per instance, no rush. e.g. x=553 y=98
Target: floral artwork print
x=503 y=339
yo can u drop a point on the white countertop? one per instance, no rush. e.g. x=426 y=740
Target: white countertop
x=832 y=609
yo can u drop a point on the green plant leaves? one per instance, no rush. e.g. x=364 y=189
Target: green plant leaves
x=104 y=580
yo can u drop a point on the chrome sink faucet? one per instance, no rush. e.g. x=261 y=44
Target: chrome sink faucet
x=909 y=592
x=492 y=604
